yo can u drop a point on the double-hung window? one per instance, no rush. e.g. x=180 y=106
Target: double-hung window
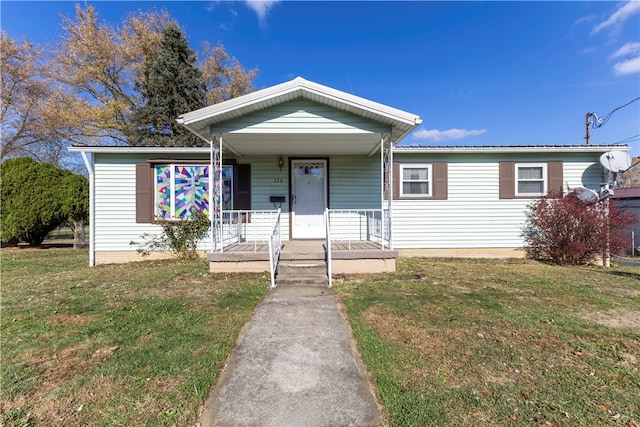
x=415 y=180
x=181 y=189
x=531 y=179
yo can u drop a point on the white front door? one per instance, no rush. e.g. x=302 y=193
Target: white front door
x=309 y=189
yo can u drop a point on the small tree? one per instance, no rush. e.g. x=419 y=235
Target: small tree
x=566 y=230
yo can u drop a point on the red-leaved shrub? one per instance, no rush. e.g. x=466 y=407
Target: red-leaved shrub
x=565 y=230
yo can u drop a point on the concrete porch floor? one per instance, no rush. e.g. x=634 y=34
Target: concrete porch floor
x=346 y=257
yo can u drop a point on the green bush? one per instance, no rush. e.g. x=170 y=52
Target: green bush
x=37 y=197
x=180 y=237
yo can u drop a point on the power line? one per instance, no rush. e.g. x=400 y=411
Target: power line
x=599 y=122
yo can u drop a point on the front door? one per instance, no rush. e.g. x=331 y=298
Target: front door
x=309 y=198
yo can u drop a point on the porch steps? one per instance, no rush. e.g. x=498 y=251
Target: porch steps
x=302 y=272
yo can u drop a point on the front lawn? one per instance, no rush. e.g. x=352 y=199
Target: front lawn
x=499 y=343
x=448 y=342
x=134 y=344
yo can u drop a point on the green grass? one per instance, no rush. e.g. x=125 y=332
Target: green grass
x=134 y=344
x=493 y=343
x=448 y=342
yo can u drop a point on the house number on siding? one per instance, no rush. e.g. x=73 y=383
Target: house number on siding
x=278 y=180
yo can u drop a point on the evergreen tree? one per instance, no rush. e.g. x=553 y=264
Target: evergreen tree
x=172 y=86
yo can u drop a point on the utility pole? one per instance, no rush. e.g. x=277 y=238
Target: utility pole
x=587 y=123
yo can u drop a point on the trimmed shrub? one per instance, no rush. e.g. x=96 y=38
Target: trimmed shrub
x=38 y=197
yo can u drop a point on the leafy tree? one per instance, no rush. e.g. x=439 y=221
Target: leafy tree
x=36 y=198
x=23 y=95
x=565 y=230
x=223 y=75
x=99 y=63
x=172 y=85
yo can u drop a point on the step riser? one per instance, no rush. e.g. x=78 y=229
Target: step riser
x=302 y=282
x=301 y=271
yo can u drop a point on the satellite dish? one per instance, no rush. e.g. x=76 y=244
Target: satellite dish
x=586 y=195
x=616 y=161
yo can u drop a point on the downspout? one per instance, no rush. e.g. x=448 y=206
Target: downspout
x=89 y=164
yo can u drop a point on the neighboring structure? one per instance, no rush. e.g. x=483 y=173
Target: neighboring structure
x=629 y=200
x=316 y=153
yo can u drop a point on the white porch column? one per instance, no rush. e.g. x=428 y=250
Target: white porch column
x=390 y=194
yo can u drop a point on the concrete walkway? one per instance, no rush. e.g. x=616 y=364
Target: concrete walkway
x=295 y=365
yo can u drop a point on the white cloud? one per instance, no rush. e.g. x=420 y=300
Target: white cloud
x=626 y=10
x=261 y=7
x=628 y=66
x=446 y=135
x=631 y=48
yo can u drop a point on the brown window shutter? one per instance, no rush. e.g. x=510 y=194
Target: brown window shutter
x=555 y=176
x=507 y=179
x=242 y=190
x=440 y=181
x=144 y=193
x=396 y=181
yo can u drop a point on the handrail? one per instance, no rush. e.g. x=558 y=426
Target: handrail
x=359 y=225
x=275 y=246
x=328 y=244
x=236 y=226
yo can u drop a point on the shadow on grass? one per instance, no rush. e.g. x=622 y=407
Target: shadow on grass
x=626 y=274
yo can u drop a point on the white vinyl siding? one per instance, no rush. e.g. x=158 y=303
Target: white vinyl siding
x=301 y=116
x=115 y=205
x=474 y=216
x=354 y=182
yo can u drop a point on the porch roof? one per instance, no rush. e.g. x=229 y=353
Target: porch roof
x=300 y=139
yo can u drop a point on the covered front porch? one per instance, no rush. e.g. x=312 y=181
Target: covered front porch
x=301 y=165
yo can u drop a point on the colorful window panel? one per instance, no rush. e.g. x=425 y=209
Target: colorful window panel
x=163 y=191
x=191 y=190
x=180 y=190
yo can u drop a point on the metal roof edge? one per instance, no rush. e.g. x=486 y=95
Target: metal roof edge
x=132 y=150
x=513 y=149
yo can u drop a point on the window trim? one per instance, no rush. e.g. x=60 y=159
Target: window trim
x=544 y=179
x=429 y=167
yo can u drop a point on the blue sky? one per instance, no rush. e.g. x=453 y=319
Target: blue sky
x=477 y=73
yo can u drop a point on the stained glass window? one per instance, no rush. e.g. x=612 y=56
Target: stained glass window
x=181 y=189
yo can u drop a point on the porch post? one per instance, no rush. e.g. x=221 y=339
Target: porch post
x=218 y=196
x=211 y=201
x=390 y=189
x=386 y=166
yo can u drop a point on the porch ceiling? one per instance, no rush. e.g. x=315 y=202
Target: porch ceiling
x=301 y=144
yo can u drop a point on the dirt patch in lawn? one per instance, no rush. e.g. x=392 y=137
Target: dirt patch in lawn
x=67 y=319
x=616 y=318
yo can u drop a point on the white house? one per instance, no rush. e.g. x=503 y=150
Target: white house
x=301 y=160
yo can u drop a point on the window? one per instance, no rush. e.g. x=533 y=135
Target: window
x=172 y=190
x=416 y=180
x=181 y=189
x=531 y=179
x=427 y=181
